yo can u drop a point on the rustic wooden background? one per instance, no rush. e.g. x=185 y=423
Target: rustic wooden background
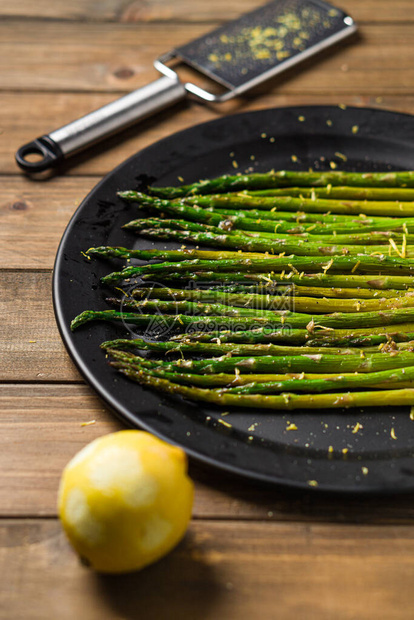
x=249 y=552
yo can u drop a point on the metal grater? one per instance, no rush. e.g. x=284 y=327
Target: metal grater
x=263 y=43
x=237 y=56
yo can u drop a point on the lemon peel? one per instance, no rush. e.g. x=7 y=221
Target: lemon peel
x=125 y=500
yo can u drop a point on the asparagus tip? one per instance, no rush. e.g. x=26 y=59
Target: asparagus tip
x=139 y=197
x=109 y=345
x=128 y=194
x=110 y=278
x=98 y=250
x=81 y=319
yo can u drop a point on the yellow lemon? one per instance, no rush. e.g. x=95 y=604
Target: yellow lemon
x=125 y=500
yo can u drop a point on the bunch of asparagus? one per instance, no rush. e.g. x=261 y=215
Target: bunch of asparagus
x=307 y=303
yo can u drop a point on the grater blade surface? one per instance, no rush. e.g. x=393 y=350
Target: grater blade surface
x=250 y=49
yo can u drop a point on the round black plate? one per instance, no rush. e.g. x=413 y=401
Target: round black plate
x=329 y=450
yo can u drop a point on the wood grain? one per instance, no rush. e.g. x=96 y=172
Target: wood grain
x=221 y=570
x=250 y=552
x=33 y=217
x=41 y=430
x=51 y=110
x=71 y=56
x=183 y=10
x=30 y=345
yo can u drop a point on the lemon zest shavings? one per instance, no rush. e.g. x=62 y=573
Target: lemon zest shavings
x=401 y=253
x=225 y=423
x=357 y=427
x=326 y=267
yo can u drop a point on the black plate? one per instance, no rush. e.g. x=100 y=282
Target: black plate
x=258 y=444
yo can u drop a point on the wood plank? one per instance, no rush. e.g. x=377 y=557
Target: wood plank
x=70 y=56
x=51 y=110
x=183 y=10
x=41 y=430
x=221 y=570
x=30 y=345
x=34 y=216
x=76 y=10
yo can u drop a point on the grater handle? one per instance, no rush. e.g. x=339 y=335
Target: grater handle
x=60 y=143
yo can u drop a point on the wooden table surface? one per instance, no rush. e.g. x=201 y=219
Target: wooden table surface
x=249 y=552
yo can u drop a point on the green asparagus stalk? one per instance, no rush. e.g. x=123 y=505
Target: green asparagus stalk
x=362 y=263
x=288 y=203
x=346 y=293
x=256 y=206
x=291 y=319
x=319 y=205
x=278 y=291
x=298 y=225
x=206 y=381
x=308 y=291
x=179 y=321
x=174 y=224
x=320 y=363
x=272 y=302
x=166 y=255
x=386 y=379
x=373 y=241
x=194 y=307
x=271 y=279
x=213 y=349
x=342 y=193
x=311 y=337
x=288 y=217
x=285 y=401
x=252 y=242
x=285 y=178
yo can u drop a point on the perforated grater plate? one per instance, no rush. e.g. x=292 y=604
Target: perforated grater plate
x=263 y=43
